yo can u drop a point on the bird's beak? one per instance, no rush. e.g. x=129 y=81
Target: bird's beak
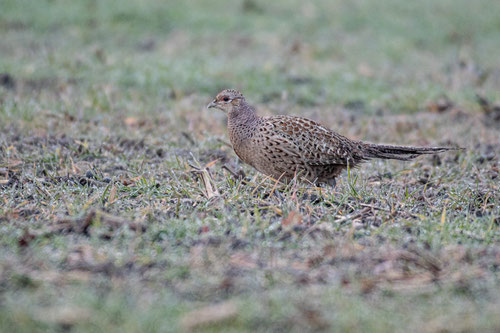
x=212 y=104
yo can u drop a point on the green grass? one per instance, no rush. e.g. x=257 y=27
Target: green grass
x=105 y=223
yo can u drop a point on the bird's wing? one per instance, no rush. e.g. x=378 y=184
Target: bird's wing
x=280 y=149
x=314 y=143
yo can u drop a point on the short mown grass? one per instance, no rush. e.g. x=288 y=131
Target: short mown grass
x=121 y=208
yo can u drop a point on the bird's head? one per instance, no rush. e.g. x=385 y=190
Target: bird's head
x=226 y=100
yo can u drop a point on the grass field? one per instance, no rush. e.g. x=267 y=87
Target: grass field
x=117 y=209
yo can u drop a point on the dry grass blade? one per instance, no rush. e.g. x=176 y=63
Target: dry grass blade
x=209 y=315
x=65 y=316
x=374 y=207
x=423 y=260
x=355 y=215
x=292 y=219
x=82 y=224
x=211 y=190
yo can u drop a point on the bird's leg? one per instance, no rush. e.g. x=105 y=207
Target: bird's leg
x=238 y=175
x=332 y=182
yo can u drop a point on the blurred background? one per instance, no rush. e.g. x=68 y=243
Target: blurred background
x=365 y=55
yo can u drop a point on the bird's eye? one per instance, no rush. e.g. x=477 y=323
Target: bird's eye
x=225 y=99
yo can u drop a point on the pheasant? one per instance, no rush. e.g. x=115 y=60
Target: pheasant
x=284 y=147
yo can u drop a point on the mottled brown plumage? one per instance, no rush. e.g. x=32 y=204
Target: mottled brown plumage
x=284 y=146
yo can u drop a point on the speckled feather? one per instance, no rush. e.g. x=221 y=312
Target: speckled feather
x=292 y=145
x=285 y=146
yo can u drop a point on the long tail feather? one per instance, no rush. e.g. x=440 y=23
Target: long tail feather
x=403 y=153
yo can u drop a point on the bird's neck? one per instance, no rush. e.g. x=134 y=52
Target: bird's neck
x=242 y=114
x=242 y=122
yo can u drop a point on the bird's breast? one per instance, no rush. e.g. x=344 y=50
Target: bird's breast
x=242 y=146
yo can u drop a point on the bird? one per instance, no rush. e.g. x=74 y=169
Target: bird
x=288 y=147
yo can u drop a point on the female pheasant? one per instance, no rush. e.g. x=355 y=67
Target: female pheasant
x=284 y=147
